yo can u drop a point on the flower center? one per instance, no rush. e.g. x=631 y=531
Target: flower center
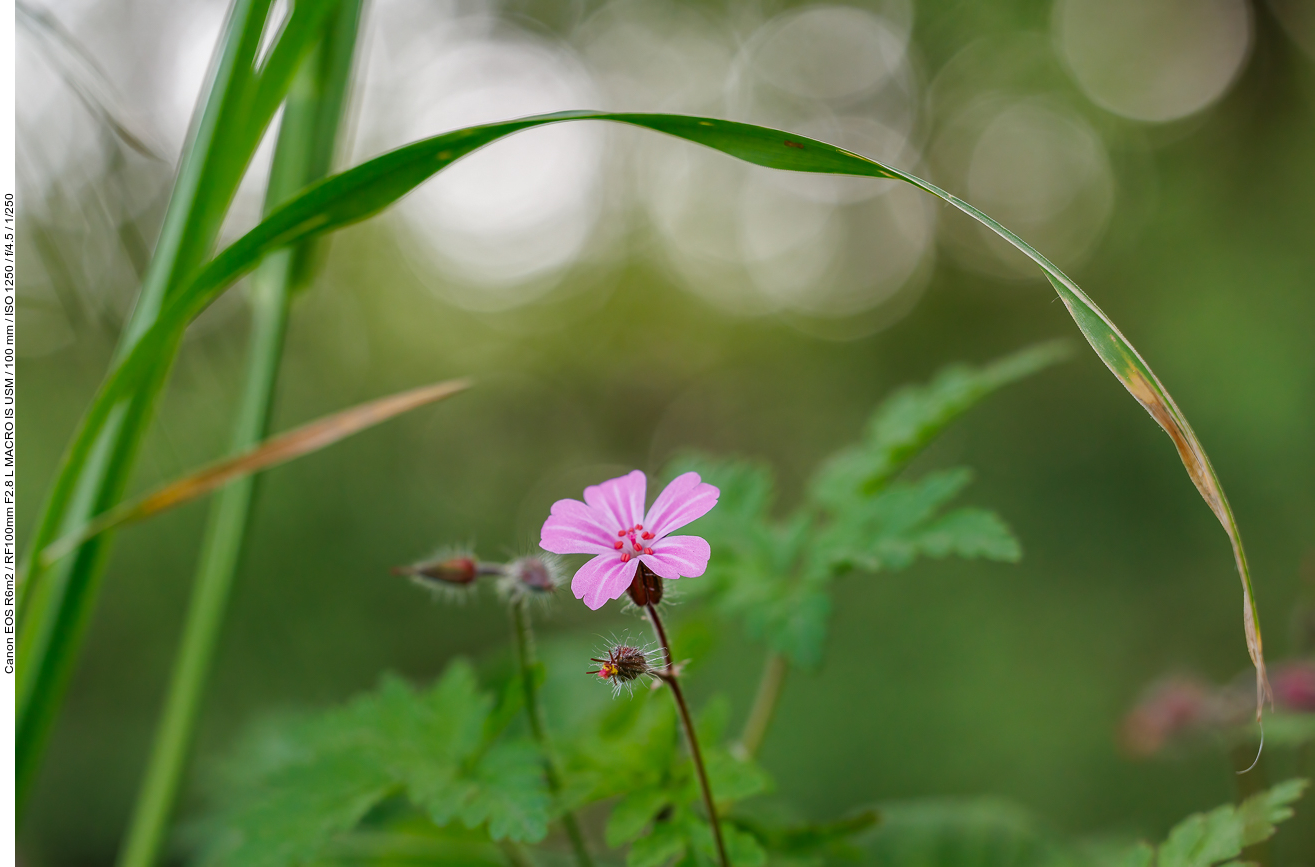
x=633 y=542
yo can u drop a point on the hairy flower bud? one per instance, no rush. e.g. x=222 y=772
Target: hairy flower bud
x=448 y=572
x=535 y=576
x=624 y=665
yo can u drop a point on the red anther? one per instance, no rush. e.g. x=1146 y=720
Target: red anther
x=618 y=545
x=625 y=558
x=639 y=526
x=647 y=536
x=648 y=550
x=620 y=532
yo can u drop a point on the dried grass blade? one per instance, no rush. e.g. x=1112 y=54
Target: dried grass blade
x=274 y=451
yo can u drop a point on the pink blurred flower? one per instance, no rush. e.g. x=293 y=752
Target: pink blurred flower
x=612 y=524
x=1168 y=709
x=1294 y=687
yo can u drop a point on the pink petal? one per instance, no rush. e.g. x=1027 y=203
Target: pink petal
x=602 y=578
x=620 y=500
x=574 y=528
x=677 y=556
x=687 y=497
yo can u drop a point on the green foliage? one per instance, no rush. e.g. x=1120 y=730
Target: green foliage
x=988 y=832
x=291 y=790
x=776 y=574
x=1205 y=839
x=980 y=832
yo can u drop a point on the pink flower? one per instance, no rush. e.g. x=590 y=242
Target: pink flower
x=611 y=523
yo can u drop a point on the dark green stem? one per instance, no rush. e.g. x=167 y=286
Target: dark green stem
x=524 y=633
x=669 y=677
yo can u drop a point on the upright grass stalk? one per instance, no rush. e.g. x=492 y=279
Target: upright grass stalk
x=307 y=140
x=520 y=617
x=670 y=678
x=55 y=603
x=763 y=710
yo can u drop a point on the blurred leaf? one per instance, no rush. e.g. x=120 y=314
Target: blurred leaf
x=665 y=843
x=510 y=793
x=632 y=814
x=907 y=421
x=961 y=833
x=280 y=449
x=814 y=838
x=318 y=776
x=1204 y=839
x=735 y=779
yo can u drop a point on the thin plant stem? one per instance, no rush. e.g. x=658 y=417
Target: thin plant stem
x=670 y=678
x=301 y=155
x=764 y=705
x=515 y=854
x=524 y=633
x=219 y=557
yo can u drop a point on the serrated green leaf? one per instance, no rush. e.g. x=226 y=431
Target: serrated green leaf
x=913 y=416
x=318 y=775
x=1261 y=812
x=299 y=808
x=510 y=794
x=742 y=848
x=970 y=533
x=666 y=842
x=633 y=813
x=1205 y=839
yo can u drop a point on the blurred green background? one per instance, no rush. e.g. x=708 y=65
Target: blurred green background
x=619 y=298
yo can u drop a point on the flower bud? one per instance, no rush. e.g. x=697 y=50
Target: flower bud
x=624 y=665
x=646 y=588
x=535 y=576
x=447 y=572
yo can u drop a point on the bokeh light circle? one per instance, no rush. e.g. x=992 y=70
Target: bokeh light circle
x=1153 y=60
x=1038 y=168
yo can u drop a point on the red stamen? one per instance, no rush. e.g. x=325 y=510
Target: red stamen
x=625 y=558
x=618 y=545
x=647 y=536
x=648 y=550
x=639 y=526
x=620 y=532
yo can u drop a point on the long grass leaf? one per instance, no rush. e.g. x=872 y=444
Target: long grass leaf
x=307 y=138
x=360 y=192
x=54 y=607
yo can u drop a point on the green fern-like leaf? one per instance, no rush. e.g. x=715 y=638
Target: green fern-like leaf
x=315 y=778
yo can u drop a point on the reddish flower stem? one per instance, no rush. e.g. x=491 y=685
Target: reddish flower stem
x=669 y=677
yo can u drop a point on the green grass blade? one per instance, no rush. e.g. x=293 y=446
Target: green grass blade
x=54 y=605
x=307 y=138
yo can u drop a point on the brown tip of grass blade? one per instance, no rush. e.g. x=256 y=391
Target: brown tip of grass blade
x=272 y=452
